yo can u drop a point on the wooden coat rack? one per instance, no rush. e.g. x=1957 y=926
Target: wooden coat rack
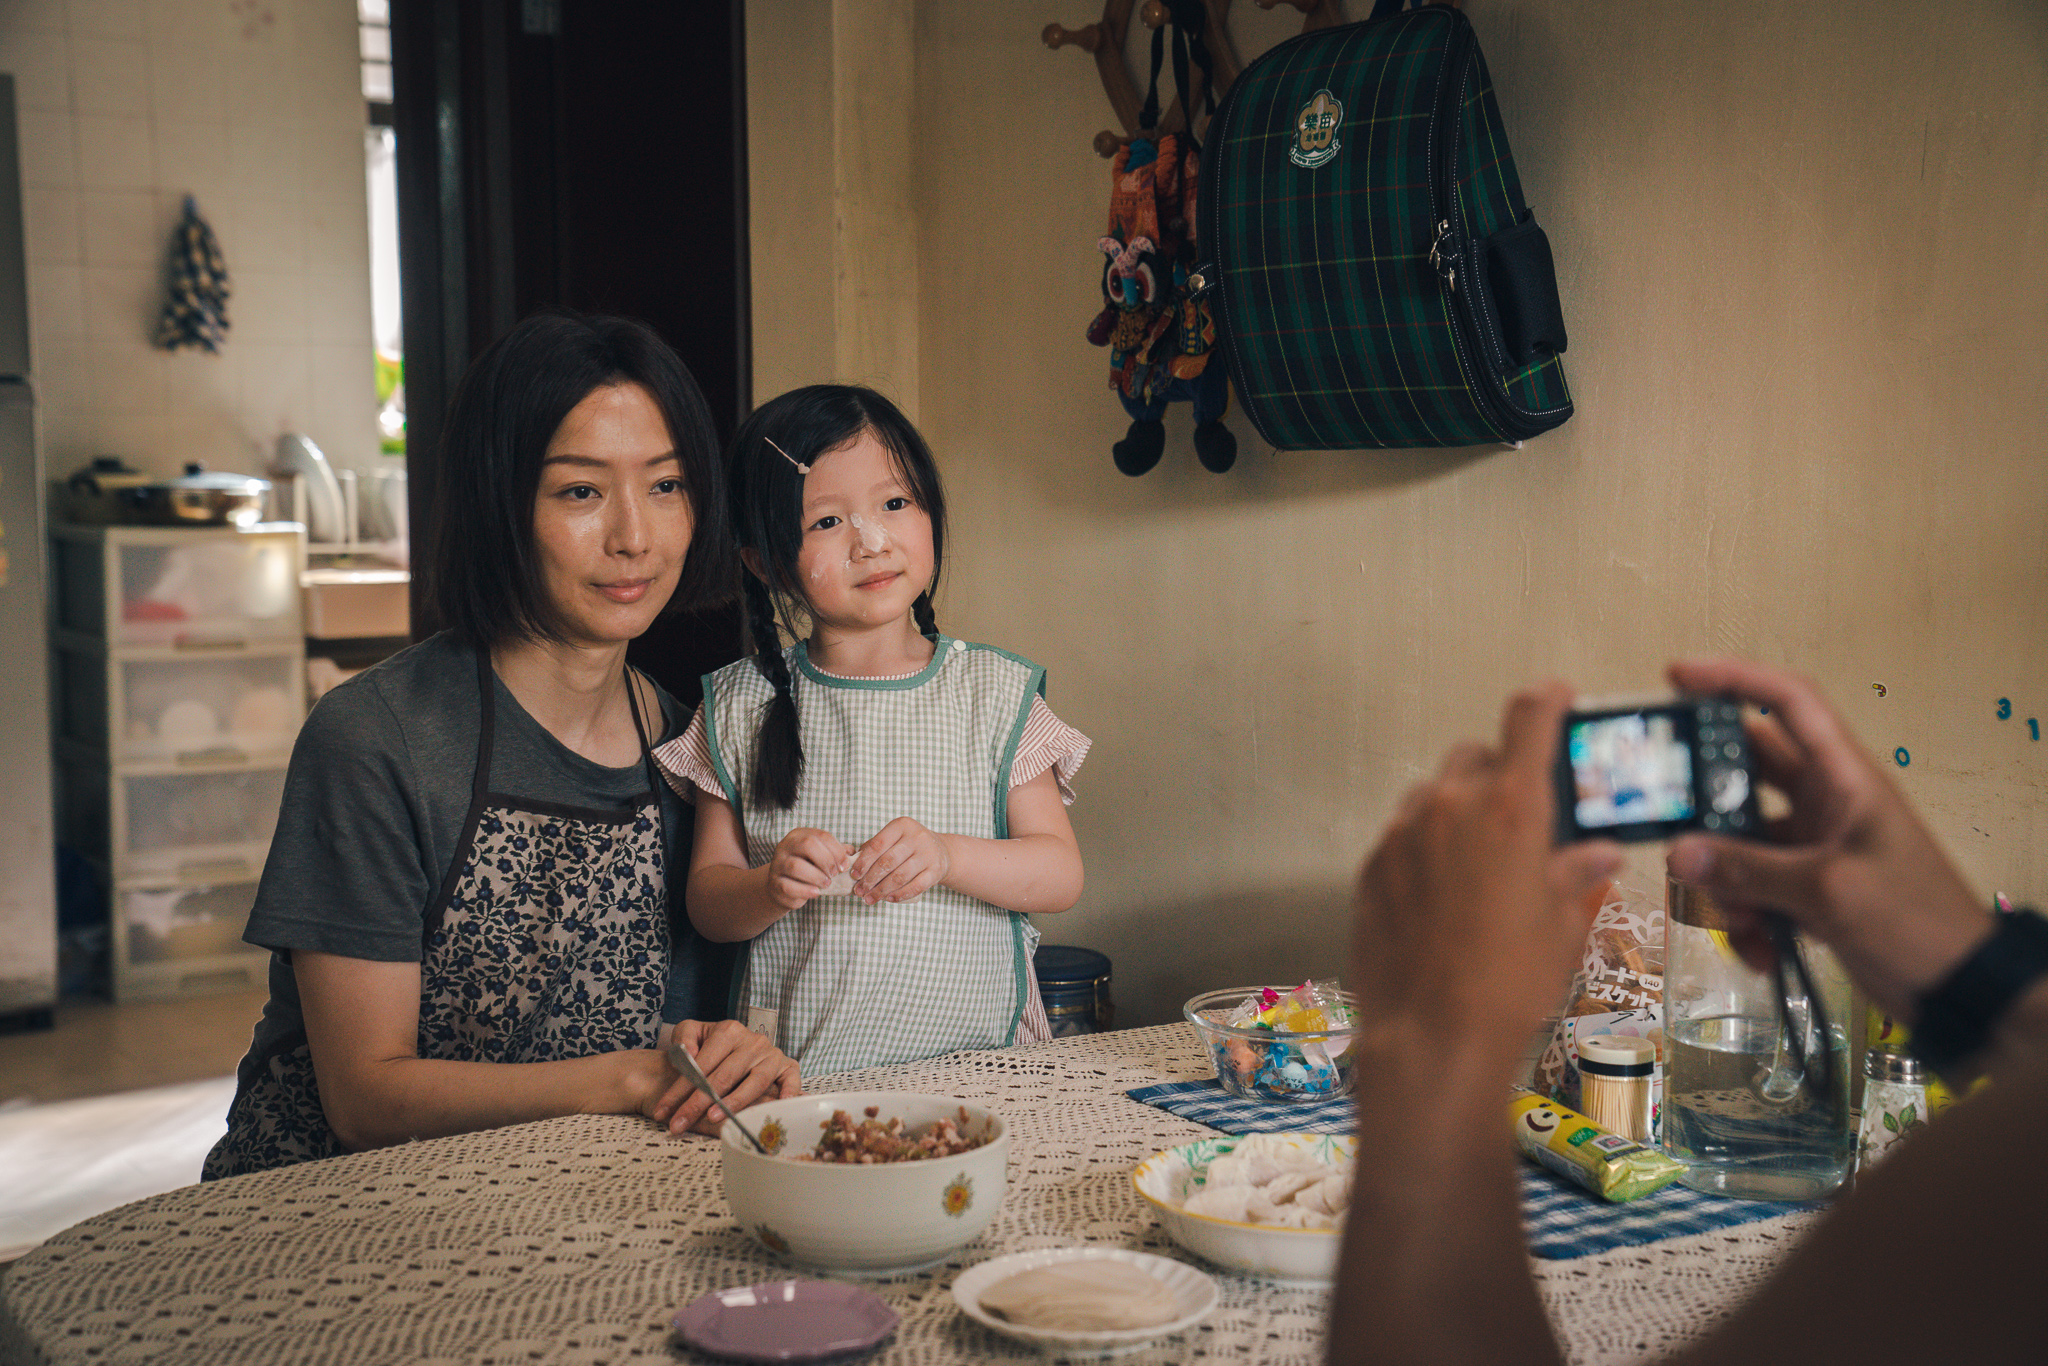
x=1105 y=38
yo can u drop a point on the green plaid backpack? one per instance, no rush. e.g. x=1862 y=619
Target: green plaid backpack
x=1376 y=278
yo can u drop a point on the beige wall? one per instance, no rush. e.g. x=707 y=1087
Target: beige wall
x=126 y=106
x=1799 y=250
x=834 y=191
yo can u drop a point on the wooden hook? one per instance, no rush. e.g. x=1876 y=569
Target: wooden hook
x=1105 y=39
x=1088 y=38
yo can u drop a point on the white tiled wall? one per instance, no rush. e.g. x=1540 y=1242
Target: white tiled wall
x=253 y=106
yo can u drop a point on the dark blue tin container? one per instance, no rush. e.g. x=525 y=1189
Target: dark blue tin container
x=1075 y=985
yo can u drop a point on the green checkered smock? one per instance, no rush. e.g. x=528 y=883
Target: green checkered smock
x=854 y=985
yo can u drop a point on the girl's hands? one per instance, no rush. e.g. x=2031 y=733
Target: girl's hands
x=803 y=865
x=902 y=861
x=744 y=1066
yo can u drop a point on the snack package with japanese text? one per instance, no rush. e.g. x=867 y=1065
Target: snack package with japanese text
x=1618 y=989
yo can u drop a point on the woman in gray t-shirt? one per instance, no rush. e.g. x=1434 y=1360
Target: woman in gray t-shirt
x=466 y=897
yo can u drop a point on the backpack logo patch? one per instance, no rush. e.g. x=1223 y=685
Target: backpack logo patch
x=1315 y=131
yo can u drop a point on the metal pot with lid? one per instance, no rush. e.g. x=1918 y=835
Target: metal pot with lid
x=109 y=492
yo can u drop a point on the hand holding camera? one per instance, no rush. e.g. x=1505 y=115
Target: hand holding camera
x=1850 y=863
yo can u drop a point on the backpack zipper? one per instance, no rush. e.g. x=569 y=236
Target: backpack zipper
x=1452 y=253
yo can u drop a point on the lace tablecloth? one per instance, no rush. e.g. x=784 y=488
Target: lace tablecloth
x=574 y=1240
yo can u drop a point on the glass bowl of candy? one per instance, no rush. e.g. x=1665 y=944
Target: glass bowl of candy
x=1277 y=1043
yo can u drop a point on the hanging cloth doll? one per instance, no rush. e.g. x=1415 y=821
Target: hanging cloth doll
x=1159 y=338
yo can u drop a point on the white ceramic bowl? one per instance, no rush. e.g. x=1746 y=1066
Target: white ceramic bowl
x=1289 y=1254
x=1196 y=1296
x=875 y=1220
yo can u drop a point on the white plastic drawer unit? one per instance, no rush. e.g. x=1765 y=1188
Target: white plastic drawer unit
x=165 y=924
x=195 y=826
x=185 y=710
x=176 y=587
x=185 y=940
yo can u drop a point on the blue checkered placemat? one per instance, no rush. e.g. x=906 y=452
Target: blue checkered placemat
x=1562 y=1220
x=1206 y=1102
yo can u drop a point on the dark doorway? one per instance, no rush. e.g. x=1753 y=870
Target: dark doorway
x=590 y=155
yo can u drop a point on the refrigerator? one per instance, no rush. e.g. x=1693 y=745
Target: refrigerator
x=28 y=881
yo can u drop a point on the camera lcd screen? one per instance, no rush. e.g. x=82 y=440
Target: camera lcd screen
x=1629 y=769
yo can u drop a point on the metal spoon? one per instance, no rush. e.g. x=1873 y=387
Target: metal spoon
x=1799 y=1062
x=1783 y=1080
x=687 y=1065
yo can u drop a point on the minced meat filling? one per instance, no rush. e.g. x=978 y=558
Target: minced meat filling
x=872 y=1140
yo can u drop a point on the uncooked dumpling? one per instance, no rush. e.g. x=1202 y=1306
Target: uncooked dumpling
x=1268 y=1180
x=1331 y=1195
x=842 y=885
x=1091 y=1296
x=1223 y=1202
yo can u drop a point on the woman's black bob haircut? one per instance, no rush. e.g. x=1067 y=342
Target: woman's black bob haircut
x=483 y=571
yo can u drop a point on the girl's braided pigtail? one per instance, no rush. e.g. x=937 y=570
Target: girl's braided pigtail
x=779 y=750
x=927 y=621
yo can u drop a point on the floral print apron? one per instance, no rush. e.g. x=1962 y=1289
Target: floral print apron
x=547 y=939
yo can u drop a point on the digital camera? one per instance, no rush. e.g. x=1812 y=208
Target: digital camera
x=1649 y=770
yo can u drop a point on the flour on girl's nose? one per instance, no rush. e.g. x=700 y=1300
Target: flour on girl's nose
x=872 y=536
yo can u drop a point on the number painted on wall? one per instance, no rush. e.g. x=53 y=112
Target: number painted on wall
x=2004 y=708
x=1900 y=757
x=2034 y=725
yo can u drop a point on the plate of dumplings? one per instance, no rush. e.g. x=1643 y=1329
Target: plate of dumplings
x=1270 y=1204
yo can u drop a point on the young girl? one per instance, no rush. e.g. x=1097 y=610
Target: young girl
x=877 y=803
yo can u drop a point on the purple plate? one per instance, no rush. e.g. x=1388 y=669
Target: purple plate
x=786 y=1321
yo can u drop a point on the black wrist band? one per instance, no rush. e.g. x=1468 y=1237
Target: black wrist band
x=1959 y=1013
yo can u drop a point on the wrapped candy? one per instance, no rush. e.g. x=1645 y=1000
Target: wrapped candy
x=1309 y=1008
x=1298 y=1041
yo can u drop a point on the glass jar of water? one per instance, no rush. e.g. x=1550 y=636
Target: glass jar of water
x=1740 y=1111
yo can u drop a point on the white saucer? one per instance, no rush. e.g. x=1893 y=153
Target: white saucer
x=1196 y=1293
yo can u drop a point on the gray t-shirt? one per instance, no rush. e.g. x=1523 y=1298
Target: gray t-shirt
x=375 y=801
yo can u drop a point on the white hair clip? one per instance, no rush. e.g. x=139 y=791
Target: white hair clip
x=801 y=467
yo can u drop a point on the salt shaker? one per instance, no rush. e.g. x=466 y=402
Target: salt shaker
x=1894 y=1102
x=1614 y=1083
